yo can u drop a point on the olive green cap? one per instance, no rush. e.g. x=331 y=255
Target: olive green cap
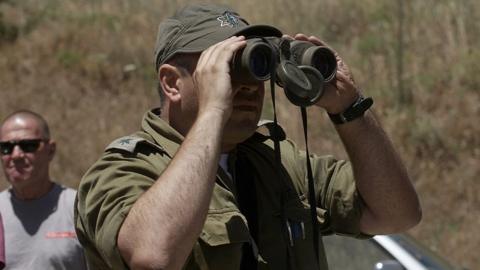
x=198 y=26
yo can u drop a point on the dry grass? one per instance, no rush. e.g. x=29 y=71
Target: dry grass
x=87 y=66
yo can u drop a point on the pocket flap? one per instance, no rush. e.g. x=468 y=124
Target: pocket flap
x=225 y=228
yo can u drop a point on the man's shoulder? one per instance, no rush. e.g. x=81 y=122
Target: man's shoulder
x=126 y=143
x=67 y=194
x=134 y=143
x=135 y=154
x=68 y=191
x=4 y=196
x=5 y=192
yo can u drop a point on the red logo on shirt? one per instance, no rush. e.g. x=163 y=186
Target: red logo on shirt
x=51 y=235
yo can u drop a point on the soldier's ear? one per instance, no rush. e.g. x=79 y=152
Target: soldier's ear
x=169 y=77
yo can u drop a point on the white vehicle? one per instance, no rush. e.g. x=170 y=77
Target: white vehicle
x=382 y=252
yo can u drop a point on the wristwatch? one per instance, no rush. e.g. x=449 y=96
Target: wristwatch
x=356 y=110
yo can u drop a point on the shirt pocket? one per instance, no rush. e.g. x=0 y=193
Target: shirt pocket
x=221 y=240
x=225 y=227
x=300 y=236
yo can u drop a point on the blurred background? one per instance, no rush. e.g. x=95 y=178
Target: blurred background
x=87 y=67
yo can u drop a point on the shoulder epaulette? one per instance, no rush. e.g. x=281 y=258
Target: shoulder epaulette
x=126 y=143
x=129 y=143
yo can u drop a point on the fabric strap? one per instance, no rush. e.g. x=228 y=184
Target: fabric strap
x=311 y=187
x=246 y=195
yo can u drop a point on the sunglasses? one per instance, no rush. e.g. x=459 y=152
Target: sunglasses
x=27 y=146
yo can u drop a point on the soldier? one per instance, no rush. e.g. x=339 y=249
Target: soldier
x=197 y=187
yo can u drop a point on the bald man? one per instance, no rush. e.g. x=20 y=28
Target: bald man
x=37 y=213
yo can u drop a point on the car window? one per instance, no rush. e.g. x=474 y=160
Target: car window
x=346 y=253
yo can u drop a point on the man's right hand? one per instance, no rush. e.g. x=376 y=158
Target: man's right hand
x=212 y=76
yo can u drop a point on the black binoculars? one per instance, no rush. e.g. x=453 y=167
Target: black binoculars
x=301 y=68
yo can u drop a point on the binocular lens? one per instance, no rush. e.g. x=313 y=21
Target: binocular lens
x=319 y=57
x=253 y=63
x=324 y=61
x=260 y=62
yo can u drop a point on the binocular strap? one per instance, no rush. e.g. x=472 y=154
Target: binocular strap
x=311 y=184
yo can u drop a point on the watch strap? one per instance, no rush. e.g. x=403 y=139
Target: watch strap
x=356 y=110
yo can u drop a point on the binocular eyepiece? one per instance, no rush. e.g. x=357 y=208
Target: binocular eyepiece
x=301 y=68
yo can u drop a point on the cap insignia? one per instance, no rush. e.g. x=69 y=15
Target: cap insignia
x=228 y=19
x=124 y=141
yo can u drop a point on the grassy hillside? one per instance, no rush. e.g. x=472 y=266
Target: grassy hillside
x=87 y=67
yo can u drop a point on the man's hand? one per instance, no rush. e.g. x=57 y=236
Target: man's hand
x=342 y=91
x=212 y=76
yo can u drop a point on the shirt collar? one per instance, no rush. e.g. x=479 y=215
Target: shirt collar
x=161 y=131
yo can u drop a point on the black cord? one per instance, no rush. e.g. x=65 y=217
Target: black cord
x=311 y=188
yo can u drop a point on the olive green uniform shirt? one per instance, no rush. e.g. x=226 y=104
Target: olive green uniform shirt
x=132 y=164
